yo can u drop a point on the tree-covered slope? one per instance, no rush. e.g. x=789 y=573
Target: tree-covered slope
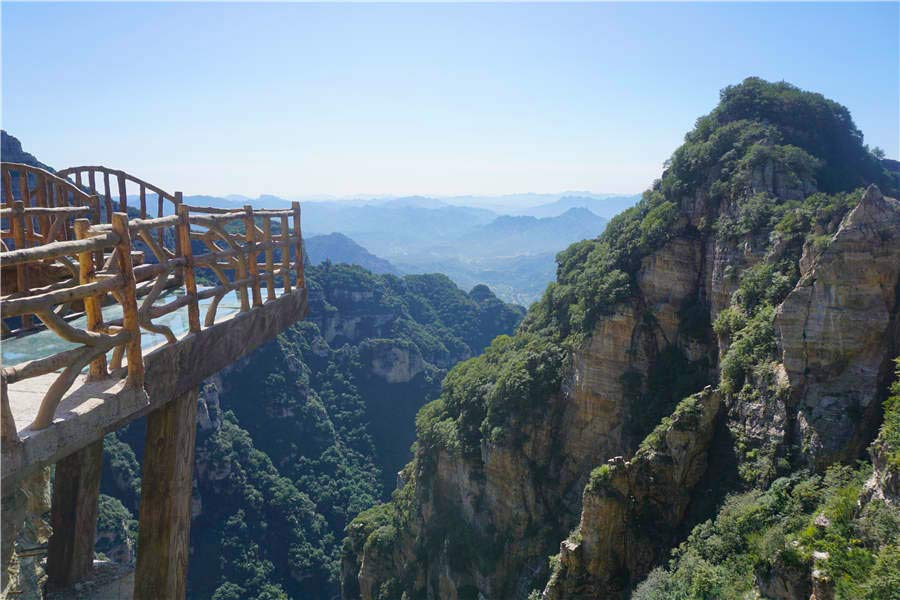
x=755 y=266
x=310 y=429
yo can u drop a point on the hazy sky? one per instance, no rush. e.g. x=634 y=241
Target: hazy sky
x=302 y=99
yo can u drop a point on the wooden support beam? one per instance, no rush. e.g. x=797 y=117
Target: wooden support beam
x=76 y=491
x=165 y=515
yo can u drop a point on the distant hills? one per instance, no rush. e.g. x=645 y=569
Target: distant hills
x=506 y=242
x=338 y=248
x=527 y=235
x=513 y=252
x=605 y=207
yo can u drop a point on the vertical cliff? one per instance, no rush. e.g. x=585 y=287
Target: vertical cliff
x=743 y=268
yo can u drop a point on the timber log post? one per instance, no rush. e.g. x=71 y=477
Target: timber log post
x=73 y=516
x=165 y=516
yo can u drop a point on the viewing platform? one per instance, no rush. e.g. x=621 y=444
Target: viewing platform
x=110 y=314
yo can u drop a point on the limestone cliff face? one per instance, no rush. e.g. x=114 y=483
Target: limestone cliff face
x=521 y=498
x=839 y=331
x=632 y=509
x=393 y=361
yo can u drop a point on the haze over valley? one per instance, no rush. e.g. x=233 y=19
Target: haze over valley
x=510 y=247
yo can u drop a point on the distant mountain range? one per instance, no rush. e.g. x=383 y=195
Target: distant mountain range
x=510 y=249
x=506 y=242
x=527 y=235
x=605 y=207
x=338 y=248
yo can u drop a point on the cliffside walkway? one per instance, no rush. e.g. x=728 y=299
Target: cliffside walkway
x=110 y=314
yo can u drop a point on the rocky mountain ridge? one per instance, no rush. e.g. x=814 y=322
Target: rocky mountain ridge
x=757 y=266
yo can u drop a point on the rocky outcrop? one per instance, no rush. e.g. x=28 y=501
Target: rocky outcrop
x=11 y=150
x=26 y=530
x=632 y=510
x=392 y=360
x=523 y=496
x=838 y=331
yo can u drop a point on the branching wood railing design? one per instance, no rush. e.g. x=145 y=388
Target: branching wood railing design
x=39 y=208
x=227 y=244
x=234 y=240
x=99 y=337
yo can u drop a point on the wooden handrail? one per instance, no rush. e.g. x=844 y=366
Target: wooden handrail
x=240 y=257
x=57 y=249
x=58 y=179
x=77 y=171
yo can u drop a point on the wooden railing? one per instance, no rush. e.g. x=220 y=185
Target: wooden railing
x=87 y=178
x=46 y=197
x=190 y=244
x=234 y=240
x=99 y=337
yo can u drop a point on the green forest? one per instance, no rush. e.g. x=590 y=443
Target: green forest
x=309 y=431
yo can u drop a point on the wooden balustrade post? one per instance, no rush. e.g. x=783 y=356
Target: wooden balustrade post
x=123 y=194
x=179 y=242
x=301 y=283
x=25 y=197
x=130 y=320
x=270 y=259
x=250 y=237
x=73 y=516
x=242 y=271
x=190 y=278
x=95 y=219
x=107 y=197
x=7 y=186
x=17 y=225
x=285 y=254
x=92 y=183
x=95 y=209
x=41 y=201
x=92 y=307
x=24 y=194
x=143 y=200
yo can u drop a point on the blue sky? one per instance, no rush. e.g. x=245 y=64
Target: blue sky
x=304 y=99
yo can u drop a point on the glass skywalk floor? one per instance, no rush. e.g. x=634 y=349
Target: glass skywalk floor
x=45 y=343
